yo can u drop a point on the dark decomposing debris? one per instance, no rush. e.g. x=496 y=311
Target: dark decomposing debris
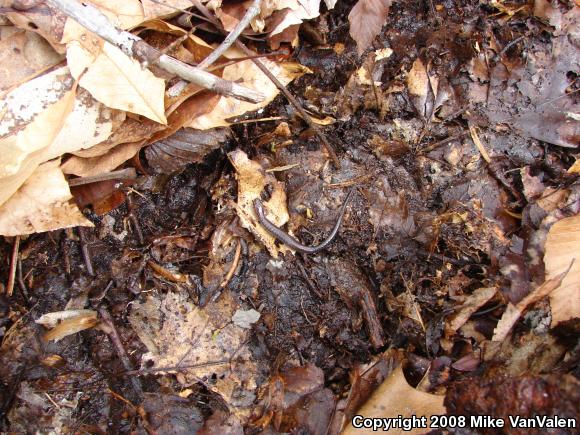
x=394 y=235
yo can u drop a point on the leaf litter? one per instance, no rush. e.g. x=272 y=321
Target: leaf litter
x=450 y=287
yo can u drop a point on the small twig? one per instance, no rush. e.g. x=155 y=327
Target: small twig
x=252 y=11
x=233 y=267
x=114 y=335
x=445 y=141
x=13 y=264
x=91 y=18
x=122 y=174
x=478 y=143
x=85 y=251
x=309 y=282
x=20 y=278
x=134 y=220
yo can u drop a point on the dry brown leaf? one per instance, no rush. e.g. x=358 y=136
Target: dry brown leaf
x=396 y=398
x=68 y=322
x=252 y=78
x=118 y=81
x=251 y=182
x=24 y=55
x=122 y=14
x=299 y=10
x=366 y=20
x=44 y=19
x=86 y=167
x=418 y=85
x=163 y=8
x=43 y=203
x=563 y=246
x=514 y=312
x=473 y=302
x=131 y=130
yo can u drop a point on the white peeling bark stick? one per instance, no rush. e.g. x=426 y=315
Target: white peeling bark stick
x=92 y=19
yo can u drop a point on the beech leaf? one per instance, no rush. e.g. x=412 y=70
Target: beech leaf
x=366 y=20
x=118 y=81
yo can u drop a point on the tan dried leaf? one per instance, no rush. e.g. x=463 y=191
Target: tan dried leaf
x=123 y=15
x=563 y=246
x=118 y=81
x=86 y=167
x=34 y=128
x=472 y=303
x=163 y=8
x=366 y=20
x=395 y=398
x=24 y=55
x=64 y=323
x=514 y=312
x=43 y=203
x=203 y=341
x=253 y=78
x=251 y=182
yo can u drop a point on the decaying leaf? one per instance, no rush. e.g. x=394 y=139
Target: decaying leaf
x=473 y=302
x=366 y=20
x=202 y=341
x=118 y=81
x=395 y=398
x=43 y=203
x=563 y=246
x=252 y=179
x=183 y=147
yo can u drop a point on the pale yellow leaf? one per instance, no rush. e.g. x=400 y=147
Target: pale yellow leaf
x=563 y=246
x=43 y=203
x=396 y=398
x=252 y=78
x=118 y=81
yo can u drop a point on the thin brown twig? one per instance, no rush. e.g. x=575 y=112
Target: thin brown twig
x=296 y=105
x=86 y=252
x=13 y=264
x=20 y=278
x=122 y=174
x=114 y=336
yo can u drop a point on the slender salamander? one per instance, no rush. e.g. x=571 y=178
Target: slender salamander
x=289 y=240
